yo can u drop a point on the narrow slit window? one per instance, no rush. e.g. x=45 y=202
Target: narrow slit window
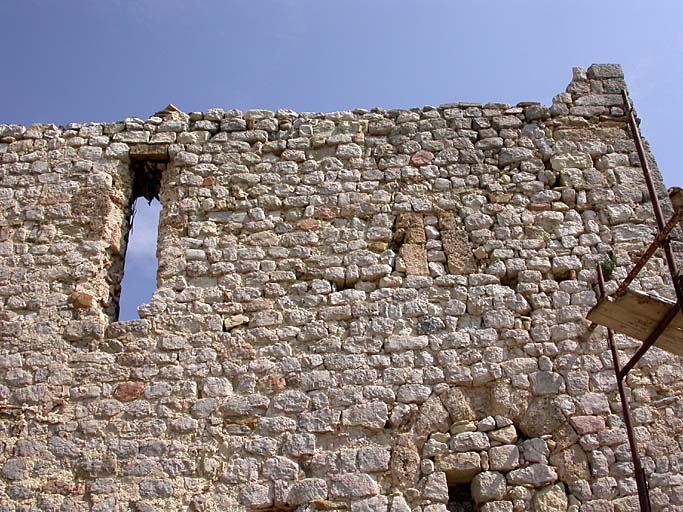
x=140 y=263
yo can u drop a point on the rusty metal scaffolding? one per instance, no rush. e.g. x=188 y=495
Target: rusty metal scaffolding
x=656 y=325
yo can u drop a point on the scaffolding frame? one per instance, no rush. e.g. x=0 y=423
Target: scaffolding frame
x=655 y=326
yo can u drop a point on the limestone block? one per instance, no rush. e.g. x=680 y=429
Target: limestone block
x=571 y=464
x=435 y=487
x=280 y=468
x=488 y=486
x=373 y=459
x=456 y=245
x=402 y=343
x=291 y=401
x=373 y=415
x=433 y=417
x=469 y=441
x=257 y=495
x=541 y=416
x=298 y=445
x=546 y=383
x=459 y=467
x=551 y=499
x=149 y=152
x=306 y=491
x=504 y=458
x=413 y=393
x=155 y=488
x=404 y=464
x=457 y=405
x=514 y=156
x=536 y=475
x=15 y=469
x=132 y=137
x=575 y=160
x=352 y=485
x=497 y=506
x=588 y=424
x=321 y=420
x=535 y=450
x=604 y=71
x=373 y=504
x=414 y=257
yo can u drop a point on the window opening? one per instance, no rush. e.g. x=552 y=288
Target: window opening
x=460 y=498
x=148 y=162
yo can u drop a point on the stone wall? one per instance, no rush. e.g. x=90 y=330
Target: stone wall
x=355 y=311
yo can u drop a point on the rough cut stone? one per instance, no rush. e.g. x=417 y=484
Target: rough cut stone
x=488 y=486
x=372 y=415
x=551 y=499
x=459 y=467
x=404 y=464
x=571 y=464
x=504 y=458
x=536 y=475
x=435 y=487
x=306 y=491
x=352 y=485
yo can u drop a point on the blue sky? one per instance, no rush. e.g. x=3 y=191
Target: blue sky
x=105 y=60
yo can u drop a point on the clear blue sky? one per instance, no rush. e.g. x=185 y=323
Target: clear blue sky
x=97 y=60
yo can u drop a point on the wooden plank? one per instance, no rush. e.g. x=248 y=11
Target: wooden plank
x=636 y=314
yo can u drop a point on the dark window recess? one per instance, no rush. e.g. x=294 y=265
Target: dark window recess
x=148 y=163
x=460 y=499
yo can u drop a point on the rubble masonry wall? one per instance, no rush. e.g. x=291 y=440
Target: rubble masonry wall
x=354 y=311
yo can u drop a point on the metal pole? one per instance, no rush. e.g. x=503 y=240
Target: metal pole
x=659 y=217
x=641 y=482
x=651 y=339
x=656 y=244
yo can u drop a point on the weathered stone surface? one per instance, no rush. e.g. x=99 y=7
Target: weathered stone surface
x=353 y=310
x=149 y=152
x=504 y=458
x=588 y=424
x=256 y=495
x=459 y=467
x=536 y=475
x=497 y=506
x=373 y=415
x=435 y=487
x=469 y=441
x=127 y=391
x=414 y=257
x=432 y=417
x=155 y=489
x=551 y=499
x=352 y=485
x=404 y=464
x=307 y=491
x=488 y=486
x=458 y=250
x=457 y=405
x=571 y=464
x=509 y=156
x=541 y=416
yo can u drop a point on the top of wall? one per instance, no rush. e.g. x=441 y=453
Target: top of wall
x=592 y=92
